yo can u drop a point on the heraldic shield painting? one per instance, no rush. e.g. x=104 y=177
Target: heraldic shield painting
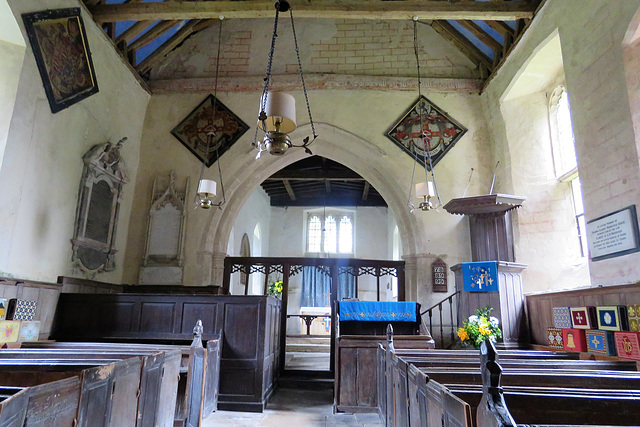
x=59 y=44
x=440 y=129
x=192 y=131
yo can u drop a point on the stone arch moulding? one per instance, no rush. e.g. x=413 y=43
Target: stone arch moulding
x=335 y=144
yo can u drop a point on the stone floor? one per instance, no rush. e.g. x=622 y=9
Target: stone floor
x=297 y=408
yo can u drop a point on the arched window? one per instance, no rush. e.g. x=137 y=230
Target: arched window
x=564 y=157
x=314 y=234
x=330 y=232
x=346 y=235
x=563 y=141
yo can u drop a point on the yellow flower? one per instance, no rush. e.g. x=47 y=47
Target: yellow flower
x=462 y=333
x=484 y=330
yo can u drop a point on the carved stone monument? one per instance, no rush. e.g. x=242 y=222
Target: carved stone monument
x=163 y=261
x=103 y=176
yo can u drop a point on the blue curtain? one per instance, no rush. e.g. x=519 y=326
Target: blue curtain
x=316 y=287
x=346 y=286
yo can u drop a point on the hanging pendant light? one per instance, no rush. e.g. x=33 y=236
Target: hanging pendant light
x=277 y=115
x=428 y=188
x=206 y=187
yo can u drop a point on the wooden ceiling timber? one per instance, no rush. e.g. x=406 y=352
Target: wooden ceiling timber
x=329 y=201
x=131 y=32
x=462 y=43
x=156 y=31
x=287 y=187
x=481 y=35
x=365 y=191
x=331 y=9
x=315 y=175
x=501 y=27
x=315 y=82
x=169 y=45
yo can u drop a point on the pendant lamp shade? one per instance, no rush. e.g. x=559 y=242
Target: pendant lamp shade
x=425 y=189
x=280 y=108
x=206 y=188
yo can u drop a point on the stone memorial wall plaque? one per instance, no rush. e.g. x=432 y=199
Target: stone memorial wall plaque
x=103 y=176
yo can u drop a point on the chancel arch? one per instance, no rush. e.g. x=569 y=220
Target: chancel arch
x=335 y=144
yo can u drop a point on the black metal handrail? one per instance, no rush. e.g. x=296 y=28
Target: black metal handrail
x=439 y=306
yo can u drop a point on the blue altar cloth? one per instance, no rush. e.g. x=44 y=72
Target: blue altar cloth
x=377 y=311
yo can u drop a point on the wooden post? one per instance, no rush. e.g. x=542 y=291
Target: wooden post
x=286 y=270
x=334 y=309
x=226 y=279
x=401 y=284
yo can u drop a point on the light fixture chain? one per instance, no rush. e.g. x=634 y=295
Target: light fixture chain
x=267 y=79
x=427 y=147
x=304 y=88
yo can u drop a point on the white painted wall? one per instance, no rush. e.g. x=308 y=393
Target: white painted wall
x=591 y=34
x=42 y=164
x=256 y=212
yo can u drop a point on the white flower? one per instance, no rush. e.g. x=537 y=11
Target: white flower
x=473 y=318
x=494 y=321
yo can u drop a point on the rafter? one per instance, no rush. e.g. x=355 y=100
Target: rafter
x=190 y=28
x=131 y=32
x=365 y=191
x=501 y=27
x=336 y=9
x=461 y=42
x=157 y=30
x=481 y=35
x=287 y=186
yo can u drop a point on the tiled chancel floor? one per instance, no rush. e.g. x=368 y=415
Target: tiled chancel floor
x=297 y=408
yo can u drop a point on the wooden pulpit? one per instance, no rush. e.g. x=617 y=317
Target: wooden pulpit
x=492 y=240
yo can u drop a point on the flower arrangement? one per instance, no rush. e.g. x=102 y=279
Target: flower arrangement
x=480 y=327
x=275 y=288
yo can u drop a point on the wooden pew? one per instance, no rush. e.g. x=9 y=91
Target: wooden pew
x=132 y=386
x=184 y=401
x=462 y=367
x=539 y=404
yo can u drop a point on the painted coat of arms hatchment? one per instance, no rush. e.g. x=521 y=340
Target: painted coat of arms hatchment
x=441 y=131
x=193 y=130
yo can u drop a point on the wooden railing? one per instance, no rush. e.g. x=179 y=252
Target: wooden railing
x=453 y=326
x=287 y=267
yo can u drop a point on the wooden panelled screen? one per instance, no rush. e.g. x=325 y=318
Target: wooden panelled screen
x=288 y=267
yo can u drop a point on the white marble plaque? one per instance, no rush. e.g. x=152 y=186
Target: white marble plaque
x=614 y=234
x=164 y=233
x=161 y=276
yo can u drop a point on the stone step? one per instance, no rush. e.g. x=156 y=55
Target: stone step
x=304 y=339
x=307 y=348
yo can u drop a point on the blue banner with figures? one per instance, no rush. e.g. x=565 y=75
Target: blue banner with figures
x=480 y=276
x=401 y=311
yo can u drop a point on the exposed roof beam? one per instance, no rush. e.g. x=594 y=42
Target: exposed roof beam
x=314 y=82
x=447 y=31
x=501 y=27
x=315 y=175
x=365 y=191
x=159 y=29
x=481 y=34
x=330 y=201
x=190 y=28
x=336 y=9
x=287 y=187
x=131 y=32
